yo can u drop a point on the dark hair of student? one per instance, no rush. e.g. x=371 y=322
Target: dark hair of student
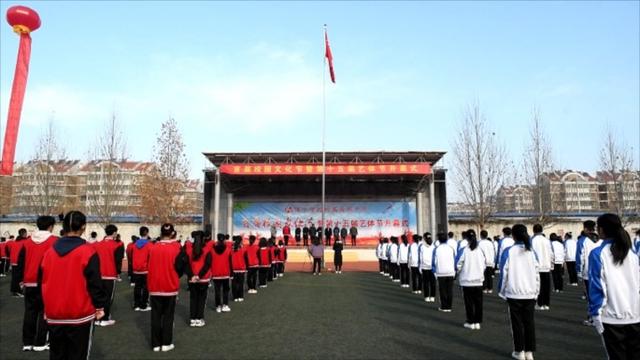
x=144 y=231
x=416 y=238
x=463 y=234
x=252 y=239
x=506 y=231
x=134 y=238
x=61 y=231
x=226 y=236
x=611 y=227
x=166 y=231
x=537 y=229
x=567 y=236
x=73 y=221
x=520 y=234
x=385 y=240
x=110 y=229
x=94 y=234
x=442 y=237
x=22 y=232
x=484 y=234
x=263 y=242
x=45 y=222
x=429 y=240
x=237 y=243
x=589 y=225
x=638 y=232
x=450 y=234
x=220 y=237
x=472 y=238
x=198 y=244
x=404 y=239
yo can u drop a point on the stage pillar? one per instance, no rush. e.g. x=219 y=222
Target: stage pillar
x=432 y=207
x=230 y=214
x=420 y=212
x=216 y=205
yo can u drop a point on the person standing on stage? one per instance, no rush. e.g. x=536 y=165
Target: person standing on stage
x=286 y=234
x=317 y=253
x=354 y=234
x=140 y=269
x=336 y=233
x=542 y=248
x=343 y=234
x=312 y=233
x=338 y=246
x=298 y=237
x=414 y=264
x=273 y=231
x=558 y=262
x=614 y=280
x=72 y=291
x=489 y=250
x=199 y=275
x=253 y=265
x=111 y=254
x=305 y=236
x=570 y=258
x=425 y=260
x=443 y=266
x=327 y=235
x=519 y=284
x=471 y=264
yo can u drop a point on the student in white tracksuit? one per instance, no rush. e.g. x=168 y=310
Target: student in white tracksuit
x=570 y=258
x=403 y=261
x=590 y=243
x=558 y=262
x=487 y=247
x=414 y=264
x=614 y=296
x=462 y=243
x=425 y=260
x=379 y=256
x=443 y=266
x=542 y=247
x=519 y=284
x=385 y=256
x=504 y=243
x=392 y=254
x=451 y=242
x=471 y=264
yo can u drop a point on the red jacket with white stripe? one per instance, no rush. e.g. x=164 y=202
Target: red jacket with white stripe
x=264 y=257
x=111 y=253
x=14 y=248
x=221 y=261
x=70 y=281
x=166 y=265
x=202 y=266
x=275 y=252
x=3 y=253
x=282 y=257
x=33 y=250
x=239 y=260
x=252 y=256
x=140 y=256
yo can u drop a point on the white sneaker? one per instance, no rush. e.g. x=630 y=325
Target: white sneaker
x=132 y=284
x=314 y=274
x=469 y=326
x=539 y=308
x=518 y=355
x=235 y=300
x=547 y=308
x=219 y=309
x=201 y=323
x=41 y=348
x=241 y=300
x=192 y=323
x=447 y=310
x=27 y=348
x=148 y=308
x=381 y=272
x=433 y=299
x=136 y=309
x=319 y=274
x=156 y=349
x=107 y=323
x=427 y=299
x=226 y=308
x=490 y=292
x=166 y=348
x=528 y=355
x=476 y=326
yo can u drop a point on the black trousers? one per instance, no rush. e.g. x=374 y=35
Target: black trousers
x=544 y=298
x=317 y=265
x=130 y=270
x=445 y=286
x=415 y=278
x=2 y=266
x=522 y=324
x=622 y=341
x=558 y=272
x=305 y=239
x=252 y=278
x=34 y=328
x=271 y=272
x=197 y=300
x=238 y=285
x=327 y=240
x=428 y=283
x=109 y=288
x=163 y=309
x=473 y=303
x=286 y=240
x=15 y=281
x=281 y=268
x=488 y=278
x=381 y=265
x=221 y=291
x=70 y=342
x=140 y=291
x=298 y=238
x=573 y=274
x=263 y=275
x=387 y=266
x=353 y=240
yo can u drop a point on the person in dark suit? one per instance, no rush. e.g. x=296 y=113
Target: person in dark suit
x=343 y=234
x=336 y=233
x=313 y=232
x=297 y=235
x=354 y=233
x=305 y=236
x=327 y=236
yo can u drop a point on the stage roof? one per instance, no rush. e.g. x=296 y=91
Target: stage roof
x=431 y=157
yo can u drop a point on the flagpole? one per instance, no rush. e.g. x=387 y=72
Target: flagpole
x=324 y=121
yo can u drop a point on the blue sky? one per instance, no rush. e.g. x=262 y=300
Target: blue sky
x=248 y=76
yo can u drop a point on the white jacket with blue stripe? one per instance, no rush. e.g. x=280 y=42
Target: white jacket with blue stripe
x=614 y=290
x=519 y=276
x=444 y=261
x=425 y=256
x=471 y=264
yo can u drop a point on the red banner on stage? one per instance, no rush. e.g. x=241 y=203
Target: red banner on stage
x=332 y=169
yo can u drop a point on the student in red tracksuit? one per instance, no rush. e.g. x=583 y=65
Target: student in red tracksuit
x=264 y=259
x=111 y=253
x=253 y=265
x=199 y=274
x=72 y=291
x=282 y=258
x=3 y=256
x=128 y=251
x=34 y=328
x=274 y=252
x=140 y=269
x=13 y=248
x=239 y=260
x=167 y=262
x=221 y=273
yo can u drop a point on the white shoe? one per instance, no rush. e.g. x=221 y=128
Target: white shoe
x=132 y=285
x=447 y=310
x=107 y=323
x=156 y=349
x=469 y=326
x=518 y=355
x=235 y=300
x=427 y=299
x=319 y=274
x=168 y=347
x=219 y=309
x=528 y=355
x=192 y=323
x=476 y=326
x=148 y=308
x=241 y=300
x=41 y=348
x=419 y=292
x=226 y=308
x=27 y=348
x=433 y=299
x=490 y=292
x=539 y=308
x=546 y=308
x=136 y=309
x=381 y=273
x=314 y=274
x=587 y=322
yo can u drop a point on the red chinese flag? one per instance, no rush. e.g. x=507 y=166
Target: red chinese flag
x=329 y=56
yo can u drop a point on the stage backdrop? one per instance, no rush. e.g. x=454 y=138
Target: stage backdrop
x=372 y=218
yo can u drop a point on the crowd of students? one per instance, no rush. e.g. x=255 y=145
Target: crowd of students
x=68 y=283
x=603 y=256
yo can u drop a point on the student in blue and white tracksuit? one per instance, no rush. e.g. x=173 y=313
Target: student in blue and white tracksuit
x=487 y=247
x=542 y=247
x=443 y=266
x=385 y=256
x=425 y=261
x=590 y=243
x=558 y=262
x=519 y=284
x=504 y=243
x=462 y=243
x=588 y=227
x=392 y=254
x=570 y=258
x=471 y=264
x=450 y=241
x=379 y=256
x=614 y=298
x=414 y=264
x=403 y=261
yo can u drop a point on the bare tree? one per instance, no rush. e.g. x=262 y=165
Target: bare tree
x=621 y=182
x=105 y=179
x=538 y=164
x=163 y=193
x=480 y=165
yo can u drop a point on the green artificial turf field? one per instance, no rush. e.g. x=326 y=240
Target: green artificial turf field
x=348 y=316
